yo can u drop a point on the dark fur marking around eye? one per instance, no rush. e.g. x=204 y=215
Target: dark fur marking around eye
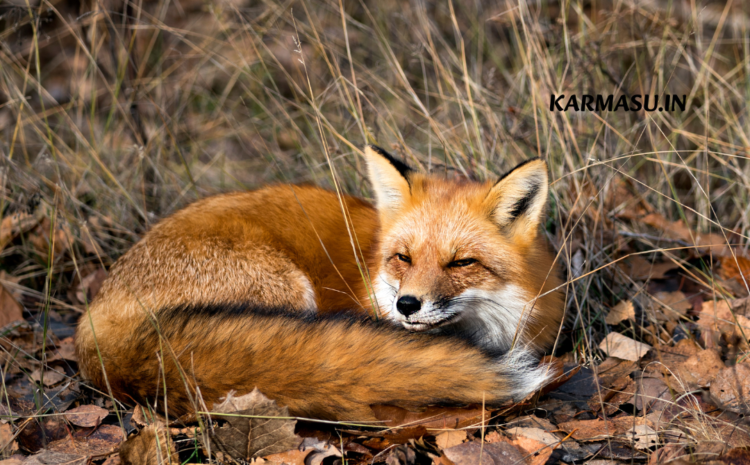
x=523 y=204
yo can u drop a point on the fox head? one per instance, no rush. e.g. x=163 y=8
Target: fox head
x=464 y=256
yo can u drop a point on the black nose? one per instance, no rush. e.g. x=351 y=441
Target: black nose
x=408 y=304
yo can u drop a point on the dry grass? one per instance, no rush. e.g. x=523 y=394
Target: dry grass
x=116 y=115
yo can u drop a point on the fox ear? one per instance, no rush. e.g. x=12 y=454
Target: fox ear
x=517 y=200
x=389 y=178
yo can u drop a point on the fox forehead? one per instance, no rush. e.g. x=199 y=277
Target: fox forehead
x=443 y=216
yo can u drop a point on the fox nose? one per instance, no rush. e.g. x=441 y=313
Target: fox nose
x=408 y=304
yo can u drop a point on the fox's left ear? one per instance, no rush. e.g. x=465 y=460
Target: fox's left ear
x=390 y=180
x=516 y=202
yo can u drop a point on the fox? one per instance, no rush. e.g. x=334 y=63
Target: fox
x=444 y=292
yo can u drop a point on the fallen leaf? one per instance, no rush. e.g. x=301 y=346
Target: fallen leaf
x=671 y=305
x=531 y=421
x=716 y=322
x=449 y=439
x=66 y=350
x=62 y=238
x=617 y=345
x=81 y=447
x=36 y=434
x=731 y=387
x=15 y=459
x=15 y=224
x=612 y=369
x=151 y=446
x=638 y=268
x=86 y=415
x=48 y=457
x=537 y=453
x=8 y=444
x=715 y=243
x=667 y=454
x=731 y=269
x=537 y=434
x=400 y=455
x=643 y=436
x=90 y=285
x=290 y=457
x=699 y=370
x=736 y=456
x=113 y=460
x=243 y=437
x=624 y=310
x=496 y=453
x=10 y=309
x=598 y=429
x=50 y=377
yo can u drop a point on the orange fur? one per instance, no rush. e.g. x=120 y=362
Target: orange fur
x=190 y=302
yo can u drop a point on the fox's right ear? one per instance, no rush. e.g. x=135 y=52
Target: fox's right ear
x=517 y=200
x=389 y=178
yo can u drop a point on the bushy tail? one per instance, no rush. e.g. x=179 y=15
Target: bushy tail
x=329 y=368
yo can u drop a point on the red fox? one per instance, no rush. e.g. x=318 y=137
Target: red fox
x=248 y=290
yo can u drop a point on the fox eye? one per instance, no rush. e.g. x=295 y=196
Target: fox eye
x=463 y=262
x=403 y=258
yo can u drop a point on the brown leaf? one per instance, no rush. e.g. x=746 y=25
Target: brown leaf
x=731 y=269
x=731 y=387
x=471 y=453
x=113 y=460
x=677 y=230
x=736 y=456
x=62 y=237
x=15 y=224
x=401 y=455
x=671 y=305
x=48 y=457
x=35 y=435
x=66 y=350
x=15 y=459
x=90 y=285
x=431 y=417
x=86 y=415
x=8 y=444
x=290 y=457
x=617 y=345
x=612 y=369
x=643 y=436
x=50 y=377
x=667 y=454
x=103 y=441
x=699 y=370
x=151 y=446
x=449 y=439
x=537 y=452
x=598 y=429
x=244 y=437
x=639 y=269
x=716 y=321
x=537 y=434
x=624 y=310
x=10 y=309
